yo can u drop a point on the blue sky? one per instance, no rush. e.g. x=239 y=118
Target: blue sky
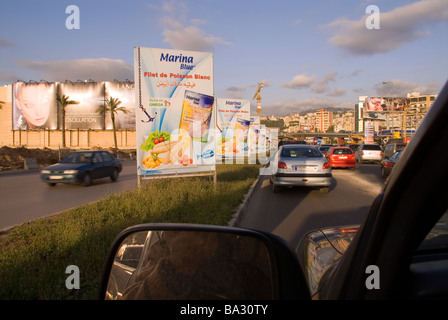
x=309 y=54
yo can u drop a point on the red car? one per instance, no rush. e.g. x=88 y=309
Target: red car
x=341 y=157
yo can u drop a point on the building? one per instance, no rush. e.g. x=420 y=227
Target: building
x=324 y=120
x=392 y=113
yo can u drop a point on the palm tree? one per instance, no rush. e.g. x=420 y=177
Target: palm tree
x=112 y=106
x=64 y=101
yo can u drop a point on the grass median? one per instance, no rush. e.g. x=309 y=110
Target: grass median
x=35 y=255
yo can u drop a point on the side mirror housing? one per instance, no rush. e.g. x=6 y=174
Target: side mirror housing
x=188 y=262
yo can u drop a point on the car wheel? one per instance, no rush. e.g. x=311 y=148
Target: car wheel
x=275 y=188
x=324 y=190
x=52 y=184
x=114 y=175
x=87 y=180
x=383 y=172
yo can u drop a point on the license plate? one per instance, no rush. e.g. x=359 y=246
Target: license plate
x=304 y=168
x=56 y=177
x=342 y=157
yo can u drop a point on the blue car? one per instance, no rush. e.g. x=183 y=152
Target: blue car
x=82 y=167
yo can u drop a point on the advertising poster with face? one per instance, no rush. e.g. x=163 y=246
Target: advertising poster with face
x=125 y=92
x=89 y=97
x=175 y=115
x=34 y=106
x=233 y=119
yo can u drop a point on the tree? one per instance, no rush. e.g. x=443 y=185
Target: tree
x=112 y=106
x=64 y=101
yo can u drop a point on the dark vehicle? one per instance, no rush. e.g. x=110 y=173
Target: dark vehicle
x=388 y=163
x=341 y=157
x=82 y=167
x=400 y=250
x=283 y=142
x=391 y=148
x=324 y=148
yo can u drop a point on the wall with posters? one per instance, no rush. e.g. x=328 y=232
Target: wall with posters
x=175 y=113
x=31 y=116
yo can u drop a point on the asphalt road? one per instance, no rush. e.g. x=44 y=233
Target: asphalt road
x=24 y=197
x=289 y=214
x=293 y=212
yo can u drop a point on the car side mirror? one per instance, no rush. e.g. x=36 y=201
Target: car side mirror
x=188 y=262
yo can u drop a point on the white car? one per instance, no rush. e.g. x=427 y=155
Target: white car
x=300 y=165
x=370 y=152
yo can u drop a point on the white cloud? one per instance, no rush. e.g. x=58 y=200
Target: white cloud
x=188 y=37
x=286 y=107
x=338 y=92
x=299 y=81
x=5 y=43
x=397 y=27
x=235 y=92
x=101 y=69
x=400 y=88
x=322 y=85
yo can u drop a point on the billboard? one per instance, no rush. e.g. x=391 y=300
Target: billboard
x=34 y=106
x=175 y=114
x=384 y=104
x=84 y=115
x=125 y=92
x=233 y=120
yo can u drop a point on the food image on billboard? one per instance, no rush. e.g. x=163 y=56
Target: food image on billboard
x=89 y=97
x=197 y=108
x=34 y=106
x=174 y=111
x=233 y=123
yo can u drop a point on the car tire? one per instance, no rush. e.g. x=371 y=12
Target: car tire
x=114 y=175
x=87 y=179
x=275 y=189
x=52 y=184
x=324 y=190
x=383 y=173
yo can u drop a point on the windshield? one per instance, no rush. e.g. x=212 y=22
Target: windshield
x=78 y=157
x=301 y=153
x=437 y=238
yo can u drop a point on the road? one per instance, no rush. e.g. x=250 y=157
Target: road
x=25 y=197
x=289 y=214
x=293 y=212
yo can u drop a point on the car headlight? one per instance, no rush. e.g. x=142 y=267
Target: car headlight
x=45 y=171
x=70 y=171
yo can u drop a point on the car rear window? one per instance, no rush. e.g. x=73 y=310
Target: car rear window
x=372 y=147
x=342 y=151
x=301 y=153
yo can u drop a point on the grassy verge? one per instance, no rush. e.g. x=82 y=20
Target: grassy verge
x=34 y=256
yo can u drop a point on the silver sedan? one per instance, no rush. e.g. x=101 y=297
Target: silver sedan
x=300 y=165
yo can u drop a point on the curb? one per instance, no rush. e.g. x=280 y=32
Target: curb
x=239 y=214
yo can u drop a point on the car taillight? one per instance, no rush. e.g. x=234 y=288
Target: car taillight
x=326 y=166
x=281 y=165
x=388 y=164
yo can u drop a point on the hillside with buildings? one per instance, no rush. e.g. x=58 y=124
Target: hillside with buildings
x=321 y=120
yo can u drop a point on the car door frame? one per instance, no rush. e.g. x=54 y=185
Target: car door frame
x=399 y=218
